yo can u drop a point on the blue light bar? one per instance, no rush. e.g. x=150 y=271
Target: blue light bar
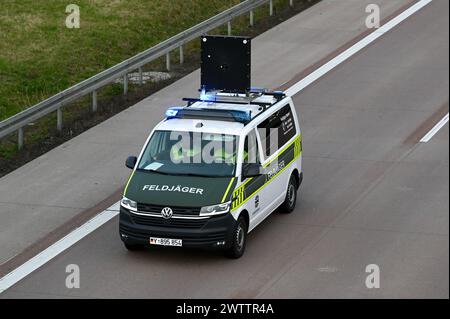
x=207 y=97
x=208 y=114
x=255 y=89
x=172 y=112
x=242 y=116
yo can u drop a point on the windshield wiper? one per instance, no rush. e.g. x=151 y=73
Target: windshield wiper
x=203 y=175
x=153 y=171
x=182 y=174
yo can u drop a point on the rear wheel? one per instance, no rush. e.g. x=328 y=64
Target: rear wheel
x=239 y=239
x=291 y=196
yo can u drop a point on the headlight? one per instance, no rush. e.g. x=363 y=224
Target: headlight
x=128 y=204
x=215 y=209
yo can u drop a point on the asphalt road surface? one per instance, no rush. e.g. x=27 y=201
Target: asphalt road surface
x=51 y=194
x=372 y=194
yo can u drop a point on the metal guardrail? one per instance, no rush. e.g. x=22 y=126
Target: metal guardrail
x=91 y=85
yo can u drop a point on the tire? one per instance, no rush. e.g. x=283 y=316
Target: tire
x=288 y=205
x=239 y=239
x=133 y=247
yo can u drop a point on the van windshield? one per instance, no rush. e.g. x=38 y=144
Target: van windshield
x=190 y=153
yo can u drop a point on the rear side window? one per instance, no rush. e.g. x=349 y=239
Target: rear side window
x=277 y=130
x=251 y=154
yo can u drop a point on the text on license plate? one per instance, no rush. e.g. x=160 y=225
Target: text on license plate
x=166 y=241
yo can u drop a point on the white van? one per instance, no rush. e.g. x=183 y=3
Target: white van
x=212 y=170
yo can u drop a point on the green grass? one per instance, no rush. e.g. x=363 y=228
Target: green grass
x=39 y=56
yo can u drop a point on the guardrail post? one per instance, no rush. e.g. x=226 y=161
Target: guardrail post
x=59 y=119
x=229 y=27
x=168 y=61
x=20 y=138
x=291 y=3
x=94 y=101
x=252 y=22
x=125 y=84
x=271 y=7
x=181 y=54
x=141 y=79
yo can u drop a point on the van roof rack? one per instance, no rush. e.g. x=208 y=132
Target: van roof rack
x=229 y=98
x=222 y=106
x=250 y=97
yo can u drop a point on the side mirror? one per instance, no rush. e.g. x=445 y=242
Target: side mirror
x=131 y=162
x=251 y=170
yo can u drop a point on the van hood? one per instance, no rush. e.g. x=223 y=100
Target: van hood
x=178 y=190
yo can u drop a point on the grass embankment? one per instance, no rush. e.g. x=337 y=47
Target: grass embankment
x=40 y=56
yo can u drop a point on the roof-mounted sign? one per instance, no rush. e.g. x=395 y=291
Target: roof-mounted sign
x=225 y=63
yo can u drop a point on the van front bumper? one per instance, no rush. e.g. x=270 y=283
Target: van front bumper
x=214 y=232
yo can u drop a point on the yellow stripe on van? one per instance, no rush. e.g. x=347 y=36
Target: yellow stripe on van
x=228 y=189
x=242 y=201
x=239 y=192
x=238 y=196
x=128 y=183
x=297 y=140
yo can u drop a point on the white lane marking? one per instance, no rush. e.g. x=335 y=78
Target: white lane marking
x=78 y=234
x=57 y=248
x=435 y=129
x=324 y=69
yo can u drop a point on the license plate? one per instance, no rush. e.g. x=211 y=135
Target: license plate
x=166 y=242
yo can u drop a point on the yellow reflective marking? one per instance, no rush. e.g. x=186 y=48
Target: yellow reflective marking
x=239 y=202
x=239 y=192
x=228 y=189
x=238 y=195
x=297 y=147
x=246 y=182
x=242 y=202
x=297 y=139
x=128 y=183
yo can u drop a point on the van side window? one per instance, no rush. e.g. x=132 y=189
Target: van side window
x=277 y=130
x=251 y=153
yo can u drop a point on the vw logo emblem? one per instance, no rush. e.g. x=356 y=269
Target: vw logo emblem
x=167 y=212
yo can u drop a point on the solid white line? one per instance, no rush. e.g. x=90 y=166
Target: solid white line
x=54 y=250
x=57 y=248
x=327 y=67
x=435 y=129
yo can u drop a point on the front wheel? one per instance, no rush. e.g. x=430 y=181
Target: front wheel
x=239 y=239
x=291 y=196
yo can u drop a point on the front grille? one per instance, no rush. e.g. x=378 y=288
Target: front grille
x=177 y=210
x=204 y=238
x=172 y=222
